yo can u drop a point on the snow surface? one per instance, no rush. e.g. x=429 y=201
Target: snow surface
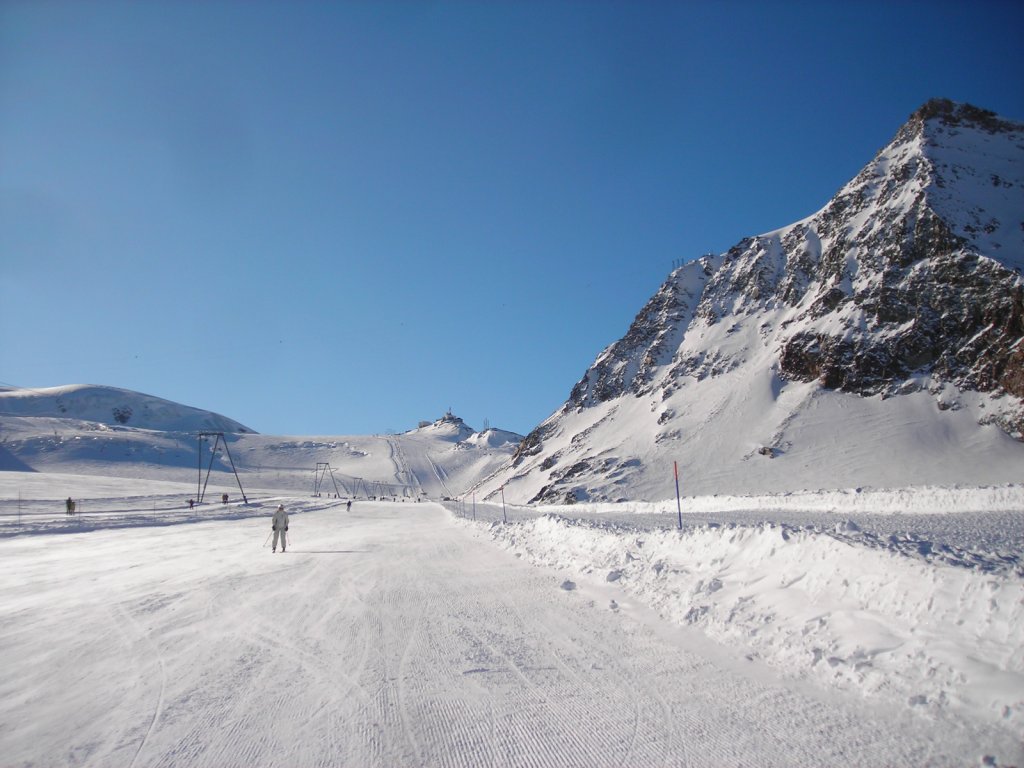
x=141 y=633
x=925 y=608
x=981 y=194
x=816 y=439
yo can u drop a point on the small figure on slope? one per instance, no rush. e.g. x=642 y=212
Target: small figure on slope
x=280 y=527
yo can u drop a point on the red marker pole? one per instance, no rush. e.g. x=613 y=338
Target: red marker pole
x=679 y=506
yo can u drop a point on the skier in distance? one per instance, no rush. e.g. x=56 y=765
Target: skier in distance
x=280 y=528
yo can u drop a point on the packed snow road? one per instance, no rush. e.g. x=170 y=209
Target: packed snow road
x=386 y=636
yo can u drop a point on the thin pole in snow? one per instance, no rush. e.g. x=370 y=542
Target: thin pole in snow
x=679 y=506
x=474 y=506
x=503 y=518
x=199 y=459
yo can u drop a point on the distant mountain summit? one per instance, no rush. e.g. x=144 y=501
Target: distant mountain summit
x=449 y=425
x=114 y=407
x=452 y=428
x=907 y=282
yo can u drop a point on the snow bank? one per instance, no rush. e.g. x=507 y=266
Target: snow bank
x=981 y=528
x=813 y=605
x=910 y=500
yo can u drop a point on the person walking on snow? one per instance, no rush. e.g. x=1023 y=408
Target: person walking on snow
x=280 y=527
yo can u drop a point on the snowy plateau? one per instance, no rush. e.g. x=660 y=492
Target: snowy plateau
x=839 y=583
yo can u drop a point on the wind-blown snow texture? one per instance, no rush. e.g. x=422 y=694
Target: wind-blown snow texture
x=879 y=342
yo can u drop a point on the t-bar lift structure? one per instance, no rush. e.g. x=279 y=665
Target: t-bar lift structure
x=219 y=436
x=322 y=470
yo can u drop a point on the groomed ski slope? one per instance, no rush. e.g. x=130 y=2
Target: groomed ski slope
x=392 y=635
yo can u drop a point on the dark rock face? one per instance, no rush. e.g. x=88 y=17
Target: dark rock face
x=932 y=303
x=951 y=113
x=630 y=364
x=531 y=445
x=570 y=485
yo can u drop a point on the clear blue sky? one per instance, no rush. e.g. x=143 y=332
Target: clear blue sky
x=342 y=218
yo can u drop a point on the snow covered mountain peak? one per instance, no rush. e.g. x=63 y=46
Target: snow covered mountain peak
x=962 y=163
x=954 y=114
x=449 y=426
x=907 y=283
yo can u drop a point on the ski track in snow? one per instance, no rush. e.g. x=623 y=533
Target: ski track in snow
x=122 y=617
x=386 y=637
x=403 y=472
x=440 y=475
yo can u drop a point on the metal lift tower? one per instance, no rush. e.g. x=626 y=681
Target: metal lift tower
x=322 y=469
x=219 y=436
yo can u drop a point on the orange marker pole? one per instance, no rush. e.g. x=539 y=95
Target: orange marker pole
x=679 y=506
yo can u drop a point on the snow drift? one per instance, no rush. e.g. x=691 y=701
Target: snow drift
x=828 y=604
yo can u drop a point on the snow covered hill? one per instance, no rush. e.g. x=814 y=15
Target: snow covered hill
x=113 y=407
x=118 y=433
x=877 y=343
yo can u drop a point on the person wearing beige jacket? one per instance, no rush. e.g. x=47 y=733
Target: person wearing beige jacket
x=280 y=528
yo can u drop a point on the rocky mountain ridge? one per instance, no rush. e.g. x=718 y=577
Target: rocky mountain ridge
x=908 y=279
